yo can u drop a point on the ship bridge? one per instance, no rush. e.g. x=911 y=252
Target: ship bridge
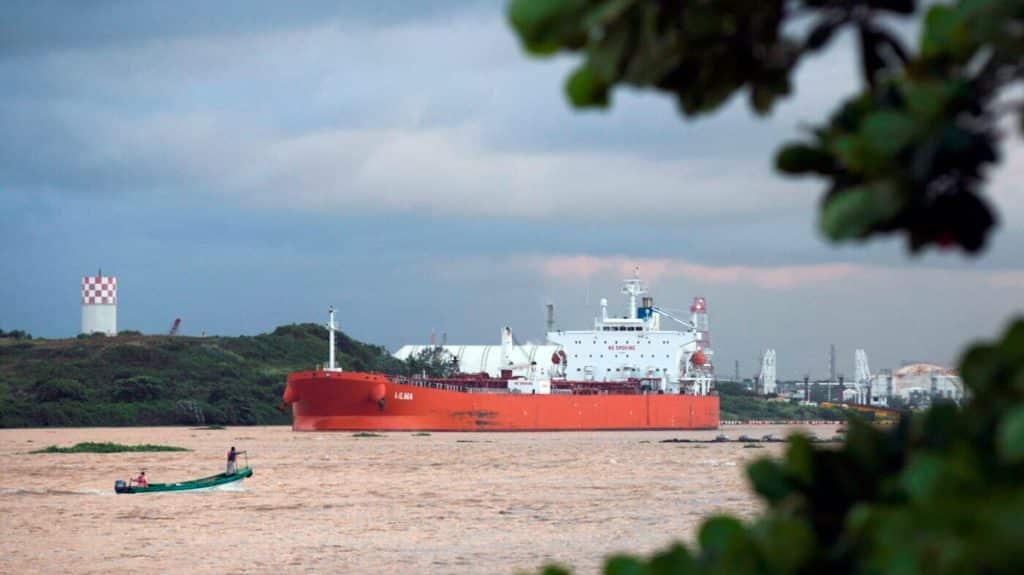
x=632 y=346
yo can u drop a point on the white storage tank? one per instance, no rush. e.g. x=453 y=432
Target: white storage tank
x=99 y=304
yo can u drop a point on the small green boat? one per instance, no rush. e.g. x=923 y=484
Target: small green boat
x=120 y=486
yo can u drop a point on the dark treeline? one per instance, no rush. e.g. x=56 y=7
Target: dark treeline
x=736 y=403
x=133 y=379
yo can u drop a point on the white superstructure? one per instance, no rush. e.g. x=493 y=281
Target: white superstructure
x=632 y=346
x=99 y=304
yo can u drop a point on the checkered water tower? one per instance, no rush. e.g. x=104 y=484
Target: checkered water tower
x=99 y=304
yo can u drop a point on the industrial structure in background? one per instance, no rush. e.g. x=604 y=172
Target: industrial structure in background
x=99 y=304
x=861 y=378
x=175 y=326
x=916 y=385
x=766 y=379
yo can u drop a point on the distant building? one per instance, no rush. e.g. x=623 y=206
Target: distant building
x=99 y=304
x=917 y=385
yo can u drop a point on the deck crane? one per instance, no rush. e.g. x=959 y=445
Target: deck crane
x=683 y=322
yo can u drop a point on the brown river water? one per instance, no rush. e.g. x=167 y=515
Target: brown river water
x=334 y=503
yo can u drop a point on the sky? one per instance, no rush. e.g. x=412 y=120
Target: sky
x=244 y=165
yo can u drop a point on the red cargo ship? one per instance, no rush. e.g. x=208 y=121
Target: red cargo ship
x=649 y=379
x=340 y=400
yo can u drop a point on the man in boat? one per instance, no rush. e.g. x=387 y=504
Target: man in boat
x=141 y=480
x=232 y=455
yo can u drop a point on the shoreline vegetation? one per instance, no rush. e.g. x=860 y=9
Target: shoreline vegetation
x=153 y=380
x=108 y=447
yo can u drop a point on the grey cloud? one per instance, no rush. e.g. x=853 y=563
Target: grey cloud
x=35 y=26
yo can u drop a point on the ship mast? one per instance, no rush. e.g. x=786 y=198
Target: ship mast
x=633 y=288
x=330 y=329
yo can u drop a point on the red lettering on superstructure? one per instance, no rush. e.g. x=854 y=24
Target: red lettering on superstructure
x=621 y=348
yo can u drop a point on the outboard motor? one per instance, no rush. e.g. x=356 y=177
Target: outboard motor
x=120 y=486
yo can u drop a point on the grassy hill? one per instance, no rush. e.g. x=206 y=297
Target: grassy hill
x=134 y=379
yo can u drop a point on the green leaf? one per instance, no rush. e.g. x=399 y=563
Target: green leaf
x=1013 y=343
x=675 y=560
x=623 y=565
x=544 y=25
x=769 y=480
x=923 y=477
x=850 y=151
x=1010 y=436
x=887 y=133
x=607 y=12
x=822 y=32
x=799 y=463
x=761 y=99
x=605 y=60
x=719 y=534
x=584 y=90
x=979 y=368
x=555 y=570
x=803 y=158
x=945 y=32
x=926 y=101
x=857 y=211
x=785 y=543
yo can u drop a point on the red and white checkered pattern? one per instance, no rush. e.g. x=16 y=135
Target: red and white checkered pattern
x=99 y=290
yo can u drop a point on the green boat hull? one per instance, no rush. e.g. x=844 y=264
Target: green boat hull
x=201 y=483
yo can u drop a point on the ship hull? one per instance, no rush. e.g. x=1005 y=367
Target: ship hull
x=352 y=401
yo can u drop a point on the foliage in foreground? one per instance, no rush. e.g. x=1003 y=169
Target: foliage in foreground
x=107 y=447
x=941 y=493
x=908 y=154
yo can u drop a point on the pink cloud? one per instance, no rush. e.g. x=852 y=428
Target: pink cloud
x=1011 y=279
x=774 y=277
